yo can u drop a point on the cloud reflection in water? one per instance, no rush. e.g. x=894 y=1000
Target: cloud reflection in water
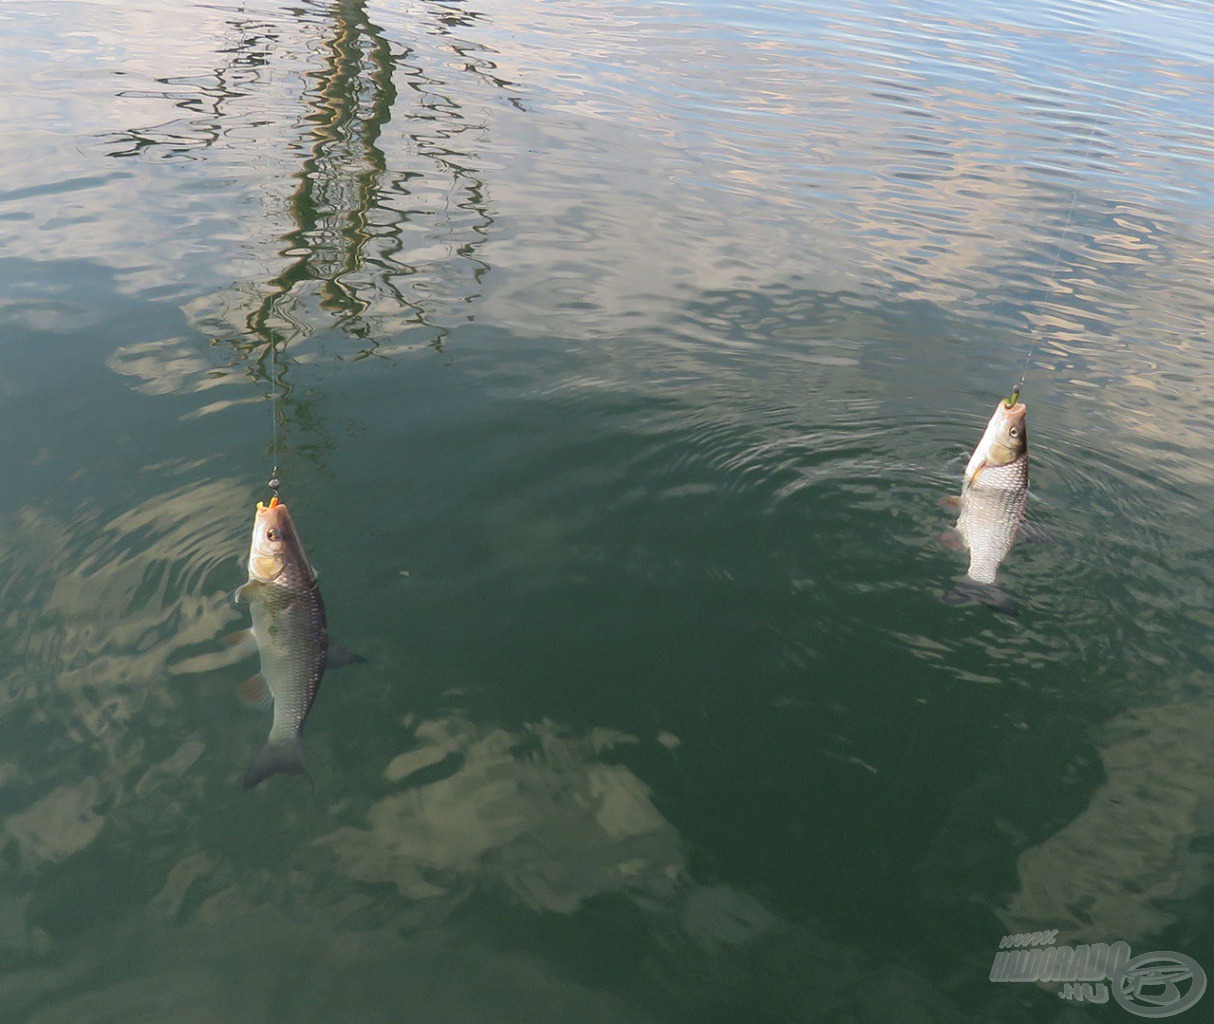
x=534 y=812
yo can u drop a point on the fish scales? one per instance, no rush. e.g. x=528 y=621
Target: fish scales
x=992 y=510
x=291 y=631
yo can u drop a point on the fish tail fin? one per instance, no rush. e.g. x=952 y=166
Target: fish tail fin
x=969 y=591
x=278 y=757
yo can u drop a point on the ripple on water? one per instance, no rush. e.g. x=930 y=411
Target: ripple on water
x=100 y=610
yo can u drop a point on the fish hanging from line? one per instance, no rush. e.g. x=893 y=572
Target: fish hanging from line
x=994 y=497
x=291 y=635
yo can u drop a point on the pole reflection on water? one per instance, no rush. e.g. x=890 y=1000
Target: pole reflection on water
x=376 y=247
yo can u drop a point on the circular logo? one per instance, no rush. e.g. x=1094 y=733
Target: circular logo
x=1159 y=984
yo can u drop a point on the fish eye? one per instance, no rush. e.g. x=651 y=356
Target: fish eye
x=1014 y=432
x=271 y=534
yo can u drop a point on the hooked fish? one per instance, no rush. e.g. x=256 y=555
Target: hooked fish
x=993 y=500
x=291 y=634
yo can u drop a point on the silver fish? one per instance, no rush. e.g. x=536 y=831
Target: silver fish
x=994 y=497
x=292 y=637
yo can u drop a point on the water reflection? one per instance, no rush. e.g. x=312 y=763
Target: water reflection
x=1128 y=866
x=97 y=610
x=348 y=102
x=383 y=228
x=758 y=280
x=533 y=822
x=206 y=103
x=538 y=813
x=351 y=252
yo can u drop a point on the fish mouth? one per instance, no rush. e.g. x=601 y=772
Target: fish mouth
x=274 y=503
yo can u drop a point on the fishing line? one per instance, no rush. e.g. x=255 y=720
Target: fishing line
x=274 y=483
x=1070 y=213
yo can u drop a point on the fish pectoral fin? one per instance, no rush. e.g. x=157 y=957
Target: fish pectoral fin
x=951 y=502
x=254 y=692
x=340 y=657
x=240 y=642
x=951 y=539
x=245 y=593
x=1033 y=533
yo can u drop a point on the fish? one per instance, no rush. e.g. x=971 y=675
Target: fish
x=291 y=633
x=993 y=504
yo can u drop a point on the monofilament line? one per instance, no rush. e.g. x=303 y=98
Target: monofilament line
x=274 y=482
x=1070 y=213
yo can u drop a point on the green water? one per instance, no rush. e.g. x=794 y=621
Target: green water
x=623 y=356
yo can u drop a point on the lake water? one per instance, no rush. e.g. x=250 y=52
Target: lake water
x=623 y=353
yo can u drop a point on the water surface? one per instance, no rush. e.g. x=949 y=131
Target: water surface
x=622 y=354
